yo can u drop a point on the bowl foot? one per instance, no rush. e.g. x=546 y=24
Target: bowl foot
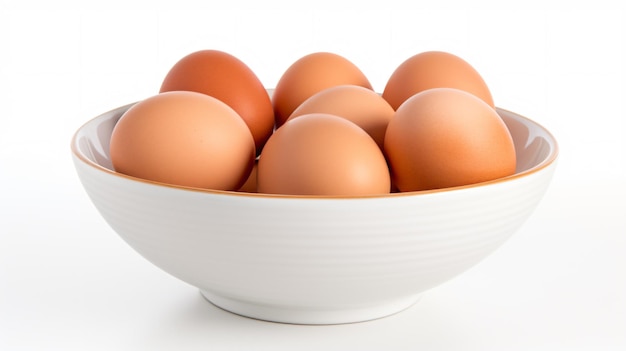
x=303 y=315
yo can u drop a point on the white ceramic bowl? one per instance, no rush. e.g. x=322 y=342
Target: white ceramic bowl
x=310 y=260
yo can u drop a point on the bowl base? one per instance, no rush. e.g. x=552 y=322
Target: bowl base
x=302 y=315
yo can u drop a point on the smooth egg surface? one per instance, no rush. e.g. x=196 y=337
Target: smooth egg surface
x=357 y=104
x=322 y=154
x=446 y=137
x=249 y=186
x=434 y=69
x=225 y=77
x=309 y=75
x=183 y=138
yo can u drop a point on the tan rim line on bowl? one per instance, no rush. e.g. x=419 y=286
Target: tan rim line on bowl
x=543 y=164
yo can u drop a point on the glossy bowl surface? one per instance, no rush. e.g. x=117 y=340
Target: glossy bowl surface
x=314 y=260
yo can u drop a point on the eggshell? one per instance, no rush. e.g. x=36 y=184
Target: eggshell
x=183 y=138
x=228 y=79
x=446 y=137
x=322 y=154
x=309 y=75
x=355 y=103
x=250 y=184
x=434 y=69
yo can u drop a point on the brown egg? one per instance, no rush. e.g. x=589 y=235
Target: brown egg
x=446 y=137
x=434 y=69
x=357 y=104
x=309 y=75
x=322 y=154
x=250 y=185
x=183 y=138
x=228 y=79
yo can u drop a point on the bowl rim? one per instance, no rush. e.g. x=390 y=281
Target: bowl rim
x=549 y=160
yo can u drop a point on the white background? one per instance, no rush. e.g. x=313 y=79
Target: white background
x=68 y=282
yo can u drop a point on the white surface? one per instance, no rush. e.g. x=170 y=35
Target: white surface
x=67 y=281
